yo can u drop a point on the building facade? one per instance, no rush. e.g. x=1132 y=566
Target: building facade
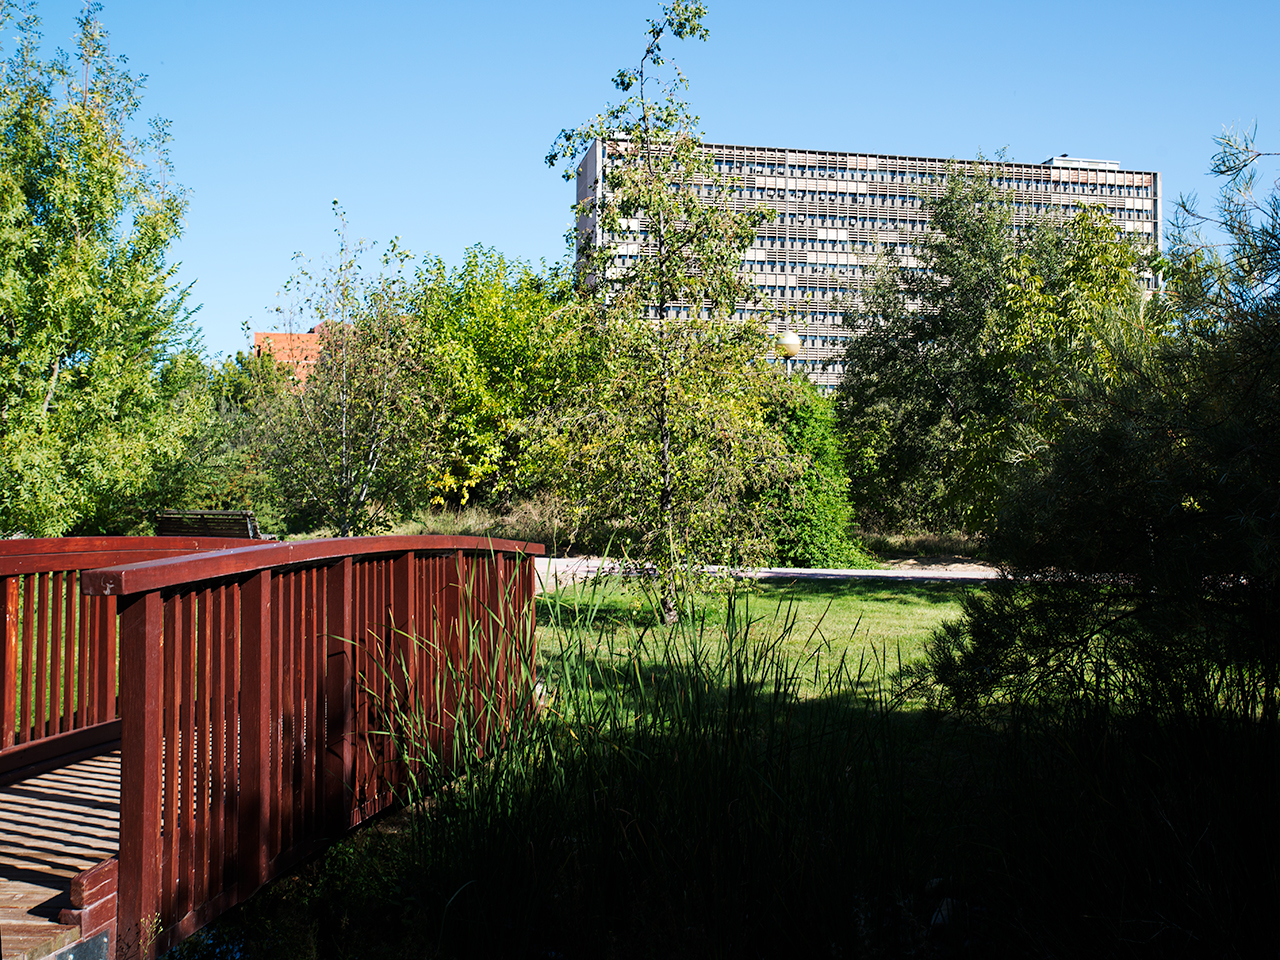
x=839 y=212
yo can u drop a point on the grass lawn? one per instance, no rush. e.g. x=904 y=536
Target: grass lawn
x=879 y=623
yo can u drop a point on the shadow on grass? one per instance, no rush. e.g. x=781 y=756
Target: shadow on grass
x=869 y=589
x=679 y=797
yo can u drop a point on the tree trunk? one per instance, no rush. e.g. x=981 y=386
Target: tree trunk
x=670 y=609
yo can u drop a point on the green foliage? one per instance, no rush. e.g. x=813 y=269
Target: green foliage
x=810 y=513
x=915 y=372
x=1057 y=335
x=350 y=447
x=969 y=365
x=96 y=405
x=426 y=384
x=500 y=336
x=1152 y=507
x=662 y=443
x=225 y=467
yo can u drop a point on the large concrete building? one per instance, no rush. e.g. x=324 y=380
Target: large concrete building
x=838 y=212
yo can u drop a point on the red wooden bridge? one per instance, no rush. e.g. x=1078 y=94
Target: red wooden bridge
x=182 y=720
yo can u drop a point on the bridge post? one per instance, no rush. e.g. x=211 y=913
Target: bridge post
x=141 y=683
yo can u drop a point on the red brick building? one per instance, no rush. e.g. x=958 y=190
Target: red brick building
x=298 y=350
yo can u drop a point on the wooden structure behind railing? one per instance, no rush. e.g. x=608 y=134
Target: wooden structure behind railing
x=250 y=684
x=58 y=648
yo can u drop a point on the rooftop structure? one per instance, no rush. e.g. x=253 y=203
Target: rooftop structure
x=298 y=351
x=838 y=212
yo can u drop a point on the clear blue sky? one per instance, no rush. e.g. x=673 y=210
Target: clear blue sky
x=430 y=121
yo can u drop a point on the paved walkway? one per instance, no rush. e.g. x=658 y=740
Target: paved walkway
x=559 y=571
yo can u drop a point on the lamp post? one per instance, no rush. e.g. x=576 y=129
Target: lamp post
x=789 y=344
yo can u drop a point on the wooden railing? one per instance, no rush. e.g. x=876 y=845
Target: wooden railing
x=58 y=648
x=253 y=684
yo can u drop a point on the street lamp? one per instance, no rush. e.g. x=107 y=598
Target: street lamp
x=790 y=343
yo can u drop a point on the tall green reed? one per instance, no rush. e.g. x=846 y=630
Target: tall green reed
x=662 y=785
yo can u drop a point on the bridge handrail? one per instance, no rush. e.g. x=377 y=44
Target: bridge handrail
x=58 y=648
x=50 y=554
x=254 y=687
x=141 y=577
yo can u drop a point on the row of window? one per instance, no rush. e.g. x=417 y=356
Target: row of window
x=801 y=317
x=802 y=291
x=819 y=195
x=728 y=167
x=764 y=168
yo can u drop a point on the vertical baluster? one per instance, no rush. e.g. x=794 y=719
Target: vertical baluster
x=373 y=643
x=28 y=658
x=289 y=735
x=203 y=728
x=9 y=660
x=312 y=730
x=274 y=760
x=498 y=627
x=172 y=824
x=386 y=646
x=378 y=655
x=40 y=720
x=470 y=640
x=340 y=717
x=84 y=656
x=87 y=651
x=54 y=613
x=294 y=797
x=216 y=696
x=439 y=668
x=255 y=726
x=187 y=758
x=234 y=729
x=402 y=645
x=359 y=690
x=373 y=684
x=67 y=613
x=367 y=680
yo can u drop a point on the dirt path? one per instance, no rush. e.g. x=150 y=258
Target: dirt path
x=560 y=571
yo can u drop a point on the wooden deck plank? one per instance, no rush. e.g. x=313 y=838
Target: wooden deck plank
x=52 y=827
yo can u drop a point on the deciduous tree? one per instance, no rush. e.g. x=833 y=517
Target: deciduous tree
x=663 y=442
x=966 y=366
x=1141 y=541
x=346 y=445
x=90 y=316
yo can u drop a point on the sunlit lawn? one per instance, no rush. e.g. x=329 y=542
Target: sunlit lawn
x=878 y=623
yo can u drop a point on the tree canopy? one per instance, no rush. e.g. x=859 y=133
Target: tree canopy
x=95 y=401
x=966 y=365
x=665 y=440
x=1141 y=541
